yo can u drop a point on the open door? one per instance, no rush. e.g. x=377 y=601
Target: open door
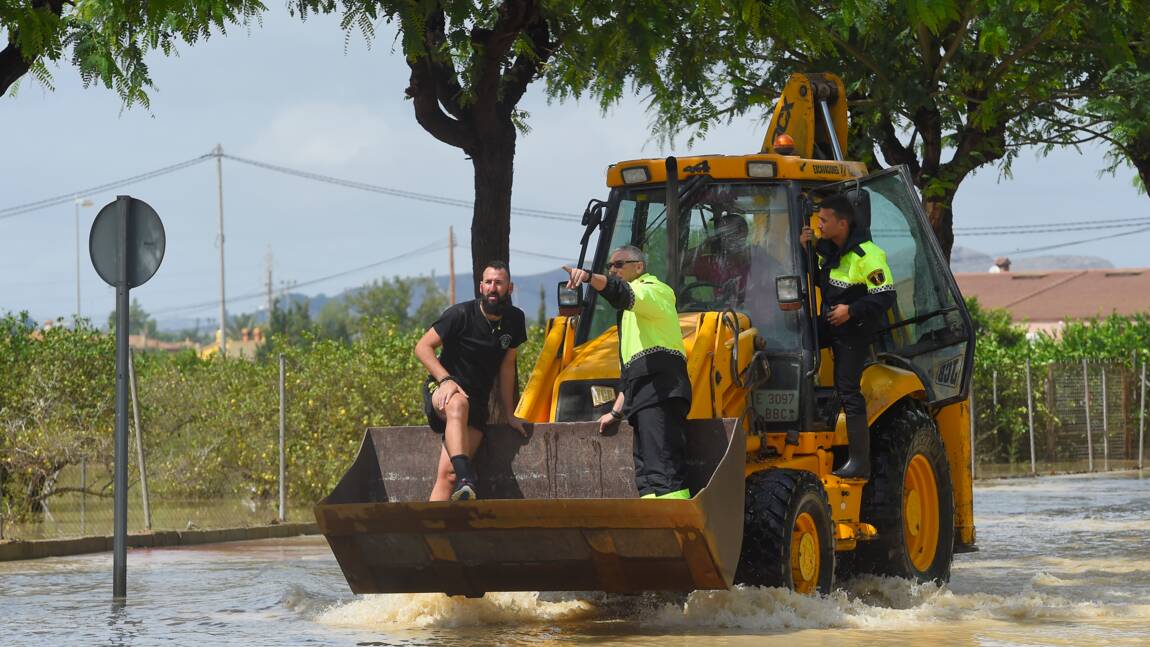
x=929 y=330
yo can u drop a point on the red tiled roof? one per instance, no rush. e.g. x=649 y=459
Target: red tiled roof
x=1061 y=294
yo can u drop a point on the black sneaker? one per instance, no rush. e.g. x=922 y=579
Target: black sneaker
x=464 y=491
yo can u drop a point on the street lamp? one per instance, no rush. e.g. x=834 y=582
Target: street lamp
x=80 y=202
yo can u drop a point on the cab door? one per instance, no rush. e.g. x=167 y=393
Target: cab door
x=929 y=329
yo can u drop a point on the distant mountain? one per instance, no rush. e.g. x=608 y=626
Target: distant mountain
x=964 y=259
x=525 y=296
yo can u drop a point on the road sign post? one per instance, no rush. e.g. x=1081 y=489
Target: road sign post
x=126 y=245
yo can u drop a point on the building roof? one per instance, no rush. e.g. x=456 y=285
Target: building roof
x=1055 y=295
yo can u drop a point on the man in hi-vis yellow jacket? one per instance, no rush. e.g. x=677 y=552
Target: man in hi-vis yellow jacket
x=656 y=392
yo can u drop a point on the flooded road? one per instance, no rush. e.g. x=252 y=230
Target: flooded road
x=1063 y=561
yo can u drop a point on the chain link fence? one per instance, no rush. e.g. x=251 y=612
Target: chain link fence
x=1059 y=417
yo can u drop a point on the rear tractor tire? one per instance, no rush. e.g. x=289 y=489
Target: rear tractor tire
x=787 y=533
x=909 y=499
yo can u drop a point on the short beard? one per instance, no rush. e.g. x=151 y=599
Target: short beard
x=498 y=308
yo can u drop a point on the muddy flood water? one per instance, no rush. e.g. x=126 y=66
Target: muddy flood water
x=1063 y=561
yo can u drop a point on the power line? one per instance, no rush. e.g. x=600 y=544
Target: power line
x=1072 y=223
x=411 y=195
x=438 y=245
x=21 y=209
x=1050 y=228
x=540 y=255
x=1074 y=242
x=467 y=243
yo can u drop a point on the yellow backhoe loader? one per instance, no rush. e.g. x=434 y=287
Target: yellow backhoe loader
x=559 y=510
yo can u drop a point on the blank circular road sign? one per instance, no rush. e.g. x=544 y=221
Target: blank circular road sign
x=144 y=236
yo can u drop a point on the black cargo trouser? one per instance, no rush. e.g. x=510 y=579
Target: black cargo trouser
x=658 y=446
x=849 y=356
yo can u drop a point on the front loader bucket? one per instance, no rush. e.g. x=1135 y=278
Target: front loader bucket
x=558 y=511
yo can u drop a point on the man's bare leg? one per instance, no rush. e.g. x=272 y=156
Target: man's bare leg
x=445 y=473
x=454 y=437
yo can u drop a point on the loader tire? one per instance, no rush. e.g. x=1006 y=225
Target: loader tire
x=787 y=540
x=909 y=499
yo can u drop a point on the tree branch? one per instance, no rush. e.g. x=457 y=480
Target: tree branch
x=955 y=43
x=442 y=71
x=892 y=149
x=527 y=65
x=13 y=65
x=996 y=74
x=495 y=44
x=428 y=112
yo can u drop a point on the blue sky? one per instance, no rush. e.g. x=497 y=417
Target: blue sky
x=305 y=96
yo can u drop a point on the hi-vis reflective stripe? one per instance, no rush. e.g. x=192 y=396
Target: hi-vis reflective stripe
x=841 y=284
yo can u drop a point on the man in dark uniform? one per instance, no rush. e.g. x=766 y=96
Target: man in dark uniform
x=656 y=393
x=857 y=290
x=479 y=339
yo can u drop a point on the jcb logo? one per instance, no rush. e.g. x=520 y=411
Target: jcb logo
x=948 y=372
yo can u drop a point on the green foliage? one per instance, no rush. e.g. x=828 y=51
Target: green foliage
x=392 y=300
x=108 y=40
x=210 y=426
x=55 y=407
x=943 y=86
x=138 y=320
x=1001 y=355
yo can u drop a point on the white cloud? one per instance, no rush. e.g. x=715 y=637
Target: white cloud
x=311 y=135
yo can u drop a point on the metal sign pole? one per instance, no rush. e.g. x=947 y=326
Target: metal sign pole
x=139 y=442
x=120 y=506
x=283 y=484
x=1105 y=425
x=1089 y=438
x=126 y=244
x=1030 y=417
x=1142 y=419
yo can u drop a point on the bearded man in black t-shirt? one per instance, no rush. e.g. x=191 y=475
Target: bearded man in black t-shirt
x=479 y=339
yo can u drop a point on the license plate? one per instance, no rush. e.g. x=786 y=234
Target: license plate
x=777 y=405
x=601 y=394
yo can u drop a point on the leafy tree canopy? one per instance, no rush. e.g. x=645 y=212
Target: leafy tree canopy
x=943 y=86
x=107 y=40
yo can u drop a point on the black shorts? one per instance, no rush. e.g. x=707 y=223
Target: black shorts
x=476 y=413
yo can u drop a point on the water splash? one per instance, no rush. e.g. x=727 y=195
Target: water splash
x=424 y=610
x=865 y=602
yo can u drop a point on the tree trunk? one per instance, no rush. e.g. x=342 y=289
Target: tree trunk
x=12 y=67
x=1142 y=165
x=940 y=213
x=494 y=164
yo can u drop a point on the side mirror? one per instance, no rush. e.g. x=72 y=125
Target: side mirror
x=788 y=291
x=570 y=299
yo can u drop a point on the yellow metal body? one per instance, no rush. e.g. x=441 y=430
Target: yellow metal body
x=715 y=395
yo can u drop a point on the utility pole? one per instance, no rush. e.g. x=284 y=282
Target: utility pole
x=269 y=286
x=80 y=202
x=451 y=262
x=218 y=151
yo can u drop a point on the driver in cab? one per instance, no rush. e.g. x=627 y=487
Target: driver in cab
x=723 y=260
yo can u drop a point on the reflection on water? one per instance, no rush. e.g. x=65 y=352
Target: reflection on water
x=1064 y=561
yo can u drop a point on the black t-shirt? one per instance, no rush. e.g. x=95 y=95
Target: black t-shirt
x=474 y=346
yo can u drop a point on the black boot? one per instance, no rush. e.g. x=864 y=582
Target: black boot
x=858 y=435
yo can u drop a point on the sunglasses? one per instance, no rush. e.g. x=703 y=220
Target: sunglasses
x=618 y=265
